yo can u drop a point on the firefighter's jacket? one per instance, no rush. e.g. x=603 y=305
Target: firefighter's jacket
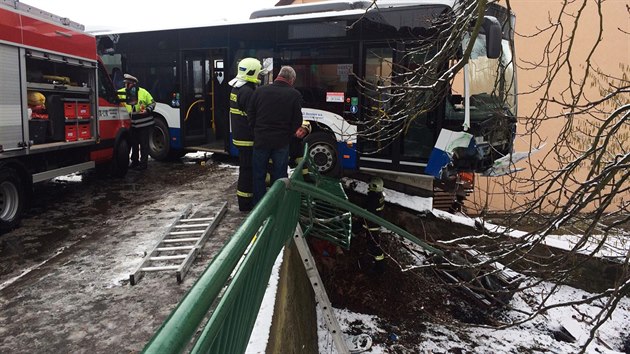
x=375 y=204
x=139 y=120
x=242 y=134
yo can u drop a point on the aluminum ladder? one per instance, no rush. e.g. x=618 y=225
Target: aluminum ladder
x=179 y=245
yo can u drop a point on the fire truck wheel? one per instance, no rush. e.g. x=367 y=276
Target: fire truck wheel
x=12 y=199
x=120 y=160
x=322 y=149
x=159 y=142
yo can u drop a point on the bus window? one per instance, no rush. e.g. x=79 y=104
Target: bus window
x=264 y=55
x=322 y=75
x=376 y=137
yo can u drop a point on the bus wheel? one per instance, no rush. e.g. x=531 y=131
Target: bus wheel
x=120 y=160
x=323 y=153
x=159 y=141
x=12 y=199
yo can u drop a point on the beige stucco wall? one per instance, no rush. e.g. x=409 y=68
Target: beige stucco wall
x=612 y=51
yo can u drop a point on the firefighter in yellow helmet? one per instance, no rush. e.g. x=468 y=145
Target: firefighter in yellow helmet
x=374 y=203
x=243 y=85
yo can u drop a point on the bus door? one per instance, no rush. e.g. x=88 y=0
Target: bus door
x=391 y=140
x=205 y=101
x=194 y=102
x=376 y=147
x=219 y=99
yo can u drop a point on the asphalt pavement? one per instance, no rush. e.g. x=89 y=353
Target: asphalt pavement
x=64 y=273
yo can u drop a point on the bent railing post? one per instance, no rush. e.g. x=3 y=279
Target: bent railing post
x=341 y=203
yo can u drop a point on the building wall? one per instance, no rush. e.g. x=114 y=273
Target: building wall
x=612 y=52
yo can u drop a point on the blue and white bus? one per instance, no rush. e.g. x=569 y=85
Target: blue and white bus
x=331 y=45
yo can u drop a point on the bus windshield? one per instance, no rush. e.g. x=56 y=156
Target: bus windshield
x=491 y=84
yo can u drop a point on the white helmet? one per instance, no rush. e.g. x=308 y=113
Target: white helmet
x=376 y=185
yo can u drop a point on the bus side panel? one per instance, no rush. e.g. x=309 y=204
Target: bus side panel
x=348 y=155
x=173 y=122
x=176 y=138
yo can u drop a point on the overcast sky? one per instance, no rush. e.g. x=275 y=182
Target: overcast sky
x=121 y=15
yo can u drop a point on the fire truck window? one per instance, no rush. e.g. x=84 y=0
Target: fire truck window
x=105 y=88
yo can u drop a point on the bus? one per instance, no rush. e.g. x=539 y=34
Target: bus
x=348 y=55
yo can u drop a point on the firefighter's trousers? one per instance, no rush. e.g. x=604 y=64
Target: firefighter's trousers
x=244 y=190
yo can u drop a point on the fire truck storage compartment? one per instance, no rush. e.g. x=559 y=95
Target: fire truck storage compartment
x=71 y=133
x=74 y=109
x=38 y=129
x=68 y=87
x=54 y=106
x=84 y=132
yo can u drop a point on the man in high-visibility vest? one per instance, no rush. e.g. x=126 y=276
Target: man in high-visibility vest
x=140 y=105
x=243 y=85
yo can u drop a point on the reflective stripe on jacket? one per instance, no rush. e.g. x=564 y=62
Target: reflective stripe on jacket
x=139 y=120
x=375 y=204
x=242 y=134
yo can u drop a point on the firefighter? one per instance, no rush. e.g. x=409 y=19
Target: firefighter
x=243 y=85
x=374 y=203
x=140 y=105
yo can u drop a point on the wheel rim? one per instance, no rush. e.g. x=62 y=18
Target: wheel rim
x=323 y=157
x=158 y=139
x=9 y=199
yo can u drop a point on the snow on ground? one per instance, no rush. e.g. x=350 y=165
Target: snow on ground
x=533 y=336
x=262 y=327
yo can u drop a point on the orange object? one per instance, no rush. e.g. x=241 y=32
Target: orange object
x=467 y=178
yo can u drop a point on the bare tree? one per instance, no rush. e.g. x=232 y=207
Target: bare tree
x=579 y=186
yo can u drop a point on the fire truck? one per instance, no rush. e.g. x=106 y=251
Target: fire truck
x=59 y=112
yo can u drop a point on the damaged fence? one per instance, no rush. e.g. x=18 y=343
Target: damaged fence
x=231 y=289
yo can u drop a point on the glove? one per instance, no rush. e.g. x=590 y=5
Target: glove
x=301 y=132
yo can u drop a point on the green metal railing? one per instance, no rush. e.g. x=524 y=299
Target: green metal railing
x=323 y=219
x=231 y=289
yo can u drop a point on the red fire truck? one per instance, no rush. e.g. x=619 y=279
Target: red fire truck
x=59 y=112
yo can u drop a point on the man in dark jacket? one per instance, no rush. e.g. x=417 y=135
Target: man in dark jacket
x=275 y=114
